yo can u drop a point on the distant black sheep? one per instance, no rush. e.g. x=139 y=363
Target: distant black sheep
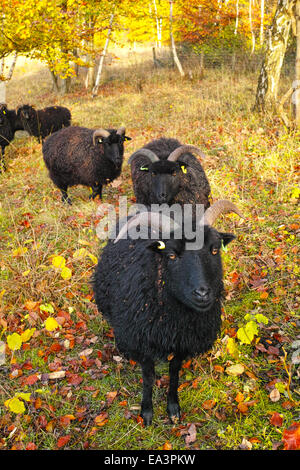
x=77 y=155
x=162 y=299
x=165 y=171
x=8 y=126
x=43 y=122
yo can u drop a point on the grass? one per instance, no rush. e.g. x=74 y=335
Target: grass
x=252 y=160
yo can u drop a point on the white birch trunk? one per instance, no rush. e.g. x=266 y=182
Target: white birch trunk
x=268 y=81
x=99 y=71
x=6 y=78
x=236 y=17
x=173 y=47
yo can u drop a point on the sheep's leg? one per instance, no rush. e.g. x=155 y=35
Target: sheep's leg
x=173 y=407
x=64 y=195
x=97 y=191
x=148 y=382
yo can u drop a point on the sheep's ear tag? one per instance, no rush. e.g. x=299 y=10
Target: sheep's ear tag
x=161 y=245
x=144 y=168
x=223 y=247
x=183 y=168
x=4 y=112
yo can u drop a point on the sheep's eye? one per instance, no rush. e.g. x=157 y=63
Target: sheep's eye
x=214 y=251
x=172 y=256
x=154 y=173
x=174 y=173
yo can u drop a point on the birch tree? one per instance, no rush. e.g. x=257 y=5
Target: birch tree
x=268 y=81
x=99 y=72
x=172 y=40
x=296 y=95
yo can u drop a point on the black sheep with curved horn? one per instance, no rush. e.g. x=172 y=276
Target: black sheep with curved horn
x=165 y=171
x=77 y=155
x=161 y=298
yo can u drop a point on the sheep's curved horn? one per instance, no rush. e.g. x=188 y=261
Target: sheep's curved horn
x=100 y=133
x=219 y=207
x=146 y=153
x=173 y=157
x=121 y=130
x=157 y=220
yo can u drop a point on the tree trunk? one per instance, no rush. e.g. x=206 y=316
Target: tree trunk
x=173 y=47
x=262 y=17
x=268 y=80
x=6 y=78
x=99 y=72
x=296 y=84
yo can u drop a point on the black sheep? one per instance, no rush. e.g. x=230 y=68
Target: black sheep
x=162 y=299
x=77 y=155
x=165 y=171
x=43 y=122
x=7 y=130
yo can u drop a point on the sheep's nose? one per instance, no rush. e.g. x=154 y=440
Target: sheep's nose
x=162 y=197
x=202 y=292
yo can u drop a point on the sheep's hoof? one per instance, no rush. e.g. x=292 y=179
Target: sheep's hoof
x=174 y=412
x=147 y=416
x=67 y=200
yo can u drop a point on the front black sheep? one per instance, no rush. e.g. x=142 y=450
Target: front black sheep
x=165 y=171
x=43 y=122
x=162 y=299
x=77 y=155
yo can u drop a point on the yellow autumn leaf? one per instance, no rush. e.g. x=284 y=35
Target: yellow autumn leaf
x=21 y=250
x=66 y=273
x=26 y=335
x=15 y=405
x=51 y=324
x=231 y=347
x=80 y=253
x=84 y=242
x=93 y=258
x=58 y=262
x=2 y=293
x=23 y=395
x=25 y=273
x=14 y=341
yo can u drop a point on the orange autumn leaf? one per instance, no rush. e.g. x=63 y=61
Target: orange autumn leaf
x=276 y=419
x=239 y=397
x=264 y=295
x=243 y=408
x=167 y=446
x=291 y=437
x=63 y=440
x=101 y=419
x=208 y=404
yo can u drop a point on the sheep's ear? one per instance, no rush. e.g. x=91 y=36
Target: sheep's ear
x=157 y=246
x=127 y=138
x=226 y=238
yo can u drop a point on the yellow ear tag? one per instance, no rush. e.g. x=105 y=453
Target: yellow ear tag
x=161 y=246
x=184 y=170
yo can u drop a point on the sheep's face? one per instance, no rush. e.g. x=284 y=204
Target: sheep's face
x=26 y=112
x=193 y=277
x=3 y=115
x=114 y=147
x=165 y=180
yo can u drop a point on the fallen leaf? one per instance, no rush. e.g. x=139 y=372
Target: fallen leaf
x=101 y=419
x=51 y=324
x=192 y=434
x=274 y=395
x=62 y=441
x=14 y=341
x=276 y=419
x=291 y=437
x=235 y=370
